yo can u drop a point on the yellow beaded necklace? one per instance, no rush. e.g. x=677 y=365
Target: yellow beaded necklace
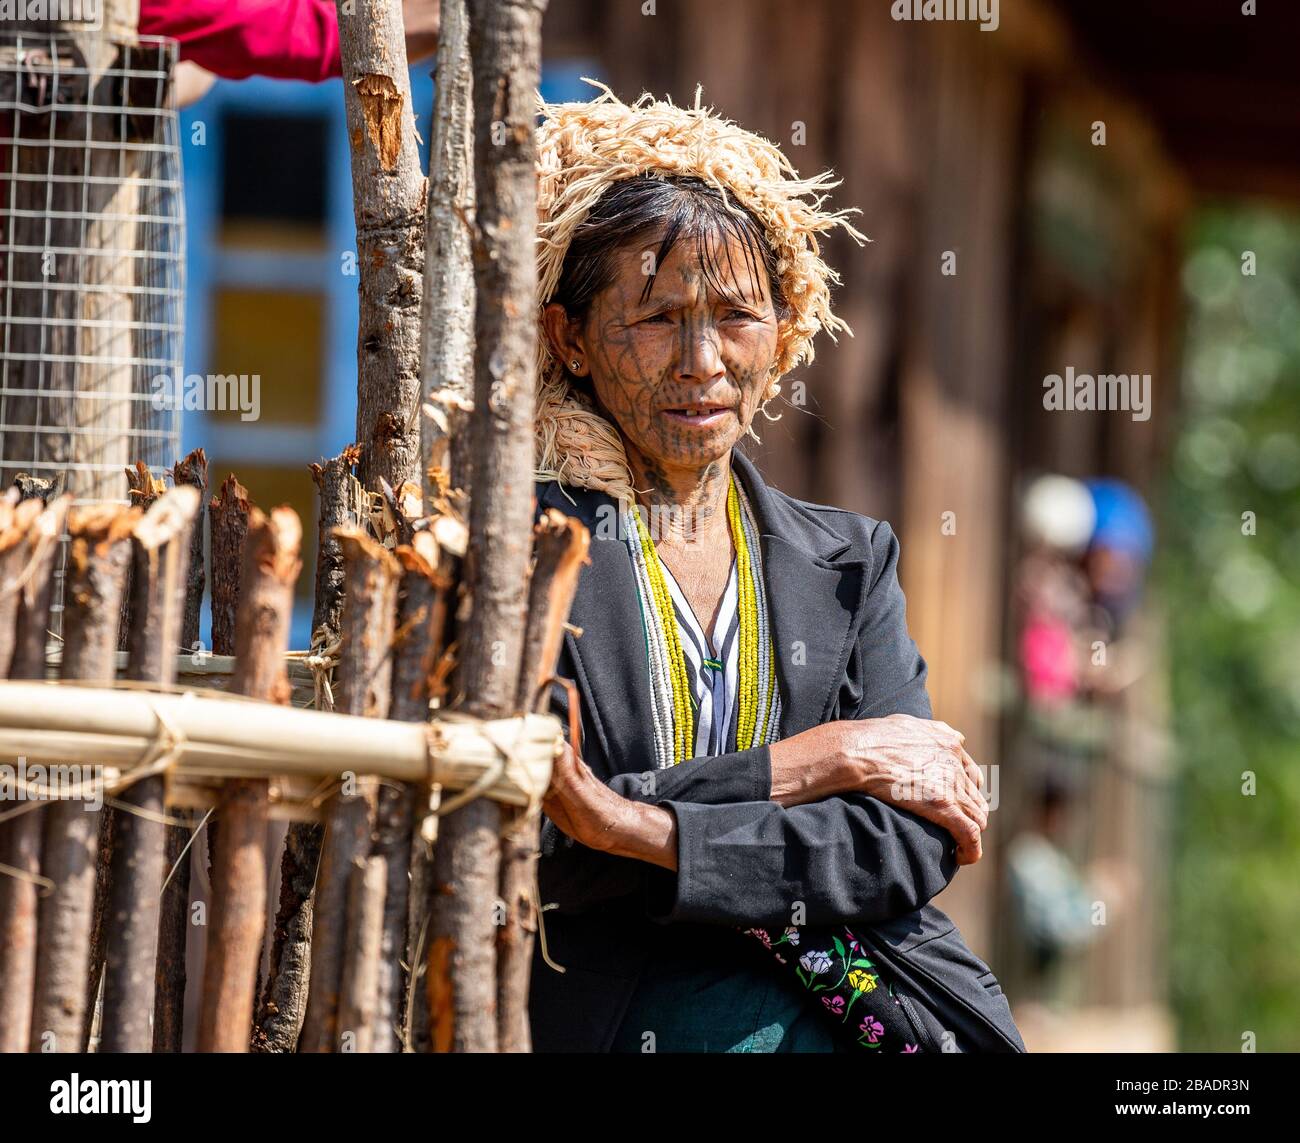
x=756 y=675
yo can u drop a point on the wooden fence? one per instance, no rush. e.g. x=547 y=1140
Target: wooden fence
x=114 y=767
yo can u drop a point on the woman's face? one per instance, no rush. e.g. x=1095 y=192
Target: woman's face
x=683 y=370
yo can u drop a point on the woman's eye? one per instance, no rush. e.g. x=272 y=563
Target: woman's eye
x=738 y=315
x=655 y=318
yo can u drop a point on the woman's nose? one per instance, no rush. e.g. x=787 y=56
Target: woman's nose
x=700 y=357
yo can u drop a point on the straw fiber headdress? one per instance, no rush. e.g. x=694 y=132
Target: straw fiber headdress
x=582 y=150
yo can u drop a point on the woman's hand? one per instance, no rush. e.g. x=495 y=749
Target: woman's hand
x=587 y=810
x=913 y=763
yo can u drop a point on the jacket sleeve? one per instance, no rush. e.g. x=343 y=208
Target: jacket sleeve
x=846 y=858
x=745 y=859
x=574 y=878
x=284 y=39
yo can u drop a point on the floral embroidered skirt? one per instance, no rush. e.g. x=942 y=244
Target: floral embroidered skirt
x=813 y=990
x=836 y=972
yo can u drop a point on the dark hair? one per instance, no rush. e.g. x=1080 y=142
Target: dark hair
x=679 y=206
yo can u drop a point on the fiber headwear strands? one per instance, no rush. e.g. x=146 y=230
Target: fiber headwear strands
x=582 y=150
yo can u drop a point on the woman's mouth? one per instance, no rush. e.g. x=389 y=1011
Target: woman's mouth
x=698 y=416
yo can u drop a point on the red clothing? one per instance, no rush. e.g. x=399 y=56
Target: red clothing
x=284 y=39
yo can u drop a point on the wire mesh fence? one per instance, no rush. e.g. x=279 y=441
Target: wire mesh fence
x=92 y=258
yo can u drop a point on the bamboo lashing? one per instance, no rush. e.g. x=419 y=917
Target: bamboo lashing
x=48 y=723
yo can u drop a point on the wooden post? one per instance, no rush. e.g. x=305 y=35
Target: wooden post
x=338 y=509
x=173 y=928
x=388 y=197
x=159 y=576
x=193 y=471
x=143 y=490
x=18 y=897
x=505 y=38
x=173 y=920
x=16 y=521
x=561 y=544
x=425 y=615
x=97 y=561
x=228 y=516
x=270 y=571
x=284 y=998
x=447 y=318
x=364 y=673
x=359 y=987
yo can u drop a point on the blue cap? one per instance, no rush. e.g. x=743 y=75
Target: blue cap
x=1123 y=523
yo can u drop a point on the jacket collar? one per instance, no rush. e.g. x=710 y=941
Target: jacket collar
x=815 y=599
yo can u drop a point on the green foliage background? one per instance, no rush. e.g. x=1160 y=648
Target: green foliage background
x=1233 y=603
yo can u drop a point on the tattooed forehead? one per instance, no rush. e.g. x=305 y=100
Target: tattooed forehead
x=724 y=268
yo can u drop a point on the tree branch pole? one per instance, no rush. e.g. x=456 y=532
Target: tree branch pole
x=364 y=673
x=560 y=543
x=161 y=555
x=505 y=45
x=19 y=902
x=192 y=470
x=16 y=520
x=173 y=921
x=270 y=571
x=143 y=489
x=424 y=612
x=284 y=998
x=98 y=556
x=228 y=524
x=447 y=317
x=388 y=197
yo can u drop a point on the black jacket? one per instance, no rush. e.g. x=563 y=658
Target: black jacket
x=843 y=652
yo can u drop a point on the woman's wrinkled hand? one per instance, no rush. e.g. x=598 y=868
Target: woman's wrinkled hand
x=920 y=765
x=581 y=805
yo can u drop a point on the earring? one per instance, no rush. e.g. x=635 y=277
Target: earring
x=575 y=365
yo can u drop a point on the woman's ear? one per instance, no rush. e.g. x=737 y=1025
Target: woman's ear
x=564 y=337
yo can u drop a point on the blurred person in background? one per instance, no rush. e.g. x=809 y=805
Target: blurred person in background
x=282 y=39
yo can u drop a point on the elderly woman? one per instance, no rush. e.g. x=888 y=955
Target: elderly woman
x=739 y=854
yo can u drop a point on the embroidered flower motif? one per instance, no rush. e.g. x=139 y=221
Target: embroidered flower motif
x=909 y=1048
x=862 y=981
x=872 y=1028
x=792 y=935
x=835 y=1004
x=762 y=935
x=816 y=961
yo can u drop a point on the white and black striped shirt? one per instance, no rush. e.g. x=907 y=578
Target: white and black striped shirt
x=712 y=665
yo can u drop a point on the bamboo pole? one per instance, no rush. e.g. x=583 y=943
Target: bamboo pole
x=505 y=42
x=225 y=738
x=270 y=571
x=160 y=558
x=19 y=902
x=447 y=316
x=561 y=544
x=364 y=674
x=97 y=561
x=388 y=197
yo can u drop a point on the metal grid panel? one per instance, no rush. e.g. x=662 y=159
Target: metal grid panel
x=91 y=259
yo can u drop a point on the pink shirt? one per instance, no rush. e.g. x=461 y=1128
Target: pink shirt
x=284 y=39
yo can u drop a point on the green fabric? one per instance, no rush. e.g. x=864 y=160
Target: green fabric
x=690 y=1008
